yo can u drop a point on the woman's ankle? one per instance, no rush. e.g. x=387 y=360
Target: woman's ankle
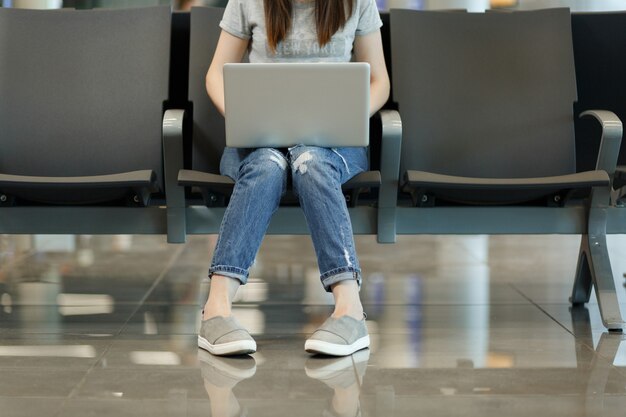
x=356 y=312
x=347 y=300
x=211 y=311
x=221 y=293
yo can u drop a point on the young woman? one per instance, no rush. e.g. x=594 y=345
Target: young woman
x=292 y=31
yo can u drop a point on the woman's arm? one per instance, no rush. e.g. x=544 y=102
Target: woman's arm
x=229 y=49
x=369 y=48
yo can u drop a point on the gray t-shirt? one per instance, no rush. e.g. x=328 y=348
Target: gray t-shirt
x=246 y=19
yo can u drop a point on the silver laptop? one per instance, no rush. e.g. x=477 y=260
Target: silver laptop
x=286 y=104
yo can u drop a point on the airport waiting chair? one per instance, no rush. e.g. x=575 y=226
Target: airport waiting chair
x=81 y=105
x=191 y=215
x=601 y=84
x=601 y=79
x=488 y=135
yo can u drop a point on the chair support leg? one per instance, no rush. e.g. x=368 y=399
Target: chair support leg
x=173 y=123
x=581 y=293
x=389 y=169
x=594 y=266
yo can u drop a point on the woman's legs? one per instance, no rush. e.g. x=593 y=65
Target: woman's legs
x=260 y=180
x=317 y=177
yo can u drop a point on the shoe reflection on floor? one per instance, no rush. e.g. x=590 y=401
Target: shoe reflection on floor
x=220 y=375
x=345 y=376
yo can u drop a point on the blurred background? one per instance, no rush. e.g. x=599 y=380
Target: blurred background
x=470 y=5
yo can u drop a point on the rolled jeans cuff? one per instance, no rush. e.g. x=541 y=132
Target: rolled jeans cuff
x=334 y=276
x=230 y=272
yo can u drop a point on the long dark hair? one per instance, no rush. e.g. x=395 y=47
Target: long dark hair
x=330 y=16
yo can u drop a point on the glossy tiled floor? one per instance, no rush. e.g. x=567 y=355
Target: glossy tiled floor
x=460 y=326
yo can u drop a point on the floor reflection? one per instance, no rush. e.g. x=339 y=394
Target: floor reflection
x=220 y=376
x=592 y=384
x=104 y=326
x=345 y=377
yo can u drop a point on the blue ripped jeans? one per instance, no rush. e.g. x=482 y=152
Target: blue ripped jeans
x=261 y=180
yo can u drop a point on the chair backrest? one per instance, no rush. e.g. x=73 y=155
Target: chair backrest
x=599 y=42
x=485 y=94
x=82 y=92
x=208 y=123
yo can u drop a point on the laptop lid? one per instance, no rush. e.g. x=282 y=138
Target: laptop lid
x=286 y=104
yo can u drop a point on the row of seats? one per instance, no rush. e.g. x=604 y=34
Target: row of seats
x=100 y=135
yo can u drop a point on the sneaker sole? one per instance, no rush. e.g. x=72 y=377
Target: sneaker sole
x=335 y=365
x=326 y=348
x=222 y=366
x=240 y=347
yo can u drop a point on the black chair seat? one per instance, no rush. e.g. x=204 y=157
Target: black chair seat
x=367 y=179
x=192 y=178
x=80 y=189
x=499 y=190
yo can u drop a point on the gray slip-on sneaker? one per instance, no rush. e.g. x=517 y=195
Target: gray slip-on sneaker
x=339 y=337
x=225 y=336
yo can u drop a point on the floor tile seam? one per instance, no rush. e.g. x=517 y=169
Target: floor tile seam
x=117 y=303
x=39 y=397
x=544 y=311
x=579 y=340
x=59 y=333
x=622 y=379
x=141 y=302
x=621 y=371
x=33 y=339
x=274 y=334
x=150 y=368
x=387 y=332
x=132 y=401
x=474 y=258
x=493 y=396
x=59 y=407
x=47 y=368
x=81 y=383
